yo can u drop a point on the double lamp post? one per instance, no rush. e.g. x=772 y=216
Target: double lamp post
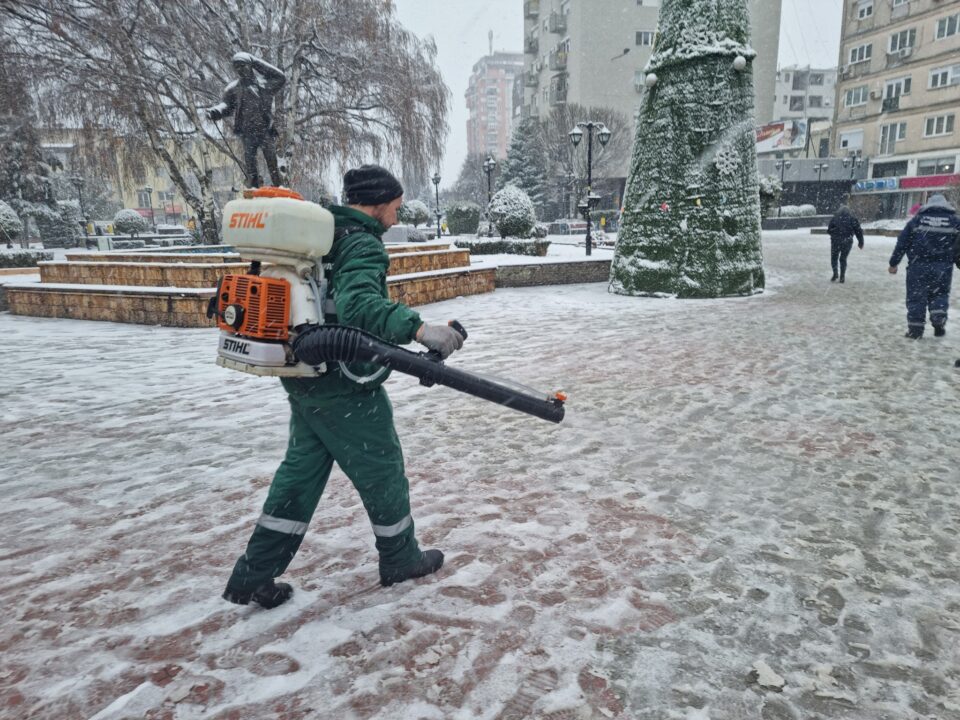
x=590 y=200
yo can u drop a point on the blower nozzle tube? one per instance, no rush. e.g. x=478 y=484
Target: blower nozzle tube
x=339 y=343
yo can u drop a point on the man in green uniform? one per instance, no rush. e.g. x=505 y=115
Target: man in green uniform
x=345 y=416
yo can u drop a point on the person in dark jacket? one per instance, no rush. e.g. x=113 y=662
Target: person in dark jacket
x=250 y=101
x=345 y=416
x=843 y=226
x=930 y=242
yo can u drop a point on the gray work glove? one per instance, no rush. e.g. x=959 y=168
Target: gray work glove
x=441 y=338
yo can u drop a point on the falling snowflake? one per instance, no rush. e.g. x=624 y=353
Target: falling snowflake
x=727 y=162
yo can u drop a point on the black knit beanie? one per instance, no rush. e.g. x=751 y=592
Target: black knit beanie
x=370 y=185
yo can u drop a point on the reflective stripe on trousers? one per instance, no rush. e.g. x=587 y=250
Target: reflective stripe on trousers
x=392 y=530
x=281 y=525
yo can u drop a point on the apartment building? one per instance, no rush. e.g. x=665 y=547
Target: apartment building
x=803 y=92
x=490 y=103
x=897 y=100
x=592 y=52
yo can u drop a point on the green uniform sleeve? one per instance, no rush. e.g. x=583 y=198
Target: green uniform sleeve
x=360 y=292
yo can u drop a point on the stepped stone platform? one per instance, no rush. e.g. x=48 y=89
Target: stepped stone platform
x=173 y=288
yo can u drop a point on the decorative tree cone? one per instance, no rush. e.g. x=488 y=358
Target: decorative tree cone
x=691 y=219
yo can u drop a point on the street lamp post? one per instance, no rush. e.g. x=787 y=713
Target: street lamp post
x=489 y=165
x=576 y=135
x=436 y=185
x=853 y=164
x=149 y=191
x=78 y=182
x=820 y=167
x=782 y=166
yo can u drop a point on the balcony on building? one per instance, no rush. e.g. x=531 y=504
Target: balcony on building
x=531 y=9
x=558 y=59
x=890 y=104
x=532 y=45
x=531 y=79
x=558 y=95
x=557 y=23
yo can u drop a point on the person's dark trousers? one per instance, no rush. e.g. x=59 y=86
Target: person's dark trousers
x=252 y=143
x=839 y=250
x=928 y=288
x=357 y=432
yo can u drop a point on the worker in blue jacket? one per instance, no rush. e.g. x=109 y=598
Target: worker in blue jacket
x=930 y=242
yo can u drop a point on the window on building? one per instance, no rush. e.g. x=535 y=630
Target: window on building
x=947 y=26
x=786 y=99
x=944 y=76
x=889 y=135
x=856 y=96
x=861 y=53
x=851 y=141
x=936 y=166
x=864 y=9
x=897 y=3
x=143 y=199
x=645 y=38
x=890 y=169
x=938 y=125
x=796 y=103
x=800 y=80
x=898 y=87
x=786 y=77
x=815 y=101
x=816 y=78
x=902 y=40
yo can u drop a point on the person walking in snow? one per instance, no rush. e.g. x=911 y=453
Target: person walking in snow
x=843 y=226
x=345 y=416
x=931 y=242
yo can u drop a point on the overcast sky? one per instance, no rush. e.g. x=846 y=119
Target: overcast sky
x=809 y=34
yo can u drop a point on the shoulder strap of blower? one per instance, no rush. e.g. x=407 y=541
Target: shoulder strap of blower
x=329 y=308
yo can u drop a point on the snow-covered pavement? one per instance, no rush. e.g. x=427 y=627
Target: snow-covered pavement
x=745 y=481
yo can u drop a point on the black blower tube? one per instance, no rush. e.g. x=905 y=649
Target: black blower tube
x=339 y=343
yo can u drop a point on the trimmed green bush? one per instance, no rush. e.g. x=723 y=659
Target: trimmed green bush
x=512 y=212
x=23 y=258
x=463 y=218
x=492 y=246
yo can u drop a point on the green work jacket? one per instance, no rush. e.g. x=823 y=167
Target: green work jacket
x=358 y=284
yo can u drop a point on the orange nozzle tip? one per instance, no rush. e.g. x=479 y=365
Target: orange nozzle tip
x=561 y=396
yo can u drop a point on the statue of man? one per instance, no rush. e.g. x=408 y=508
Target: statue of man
x=250 y=100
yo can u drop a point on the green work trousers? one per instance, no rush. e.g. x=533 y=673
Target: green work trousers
x=356 y=431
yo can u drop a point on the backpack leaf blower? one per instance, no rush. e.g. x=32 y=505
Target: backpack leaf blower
x=278 y=319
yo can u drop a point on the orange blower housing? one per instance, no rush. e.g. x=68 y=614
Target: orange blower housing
x=254 y=306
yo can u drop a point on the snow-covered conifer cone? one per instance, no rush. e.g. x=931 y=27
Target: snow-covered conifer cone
x=694 y=153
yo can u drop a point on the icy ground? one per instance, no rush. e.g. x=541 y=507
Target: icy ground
x=763 y=484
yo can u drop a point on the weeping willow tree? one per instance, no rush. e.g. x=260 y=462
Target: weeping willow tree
x=691 y=219
x=359 y=85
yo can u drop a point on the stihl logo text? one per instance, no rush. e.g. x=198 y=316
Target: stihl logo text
x=248 y=220
x=241 y=348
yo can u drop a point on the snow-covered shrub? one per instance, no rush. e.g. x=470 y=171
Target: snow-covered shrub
x=414 y=212
x=512 y=212
x=463 y=218
x=790 y=211
x=492 y=246
x=23 y=258
x=129 y=222
x=807 y=210
x=770 y=193
x=10 y=225
x=540 y=231
x=486 y=229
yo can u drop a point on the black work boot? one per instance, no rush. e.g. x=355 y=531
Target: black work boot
x=834 y=278
x=939 y=330
x=842 y=279
x=914 y=333
x=269 y=595
x=429 y=562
